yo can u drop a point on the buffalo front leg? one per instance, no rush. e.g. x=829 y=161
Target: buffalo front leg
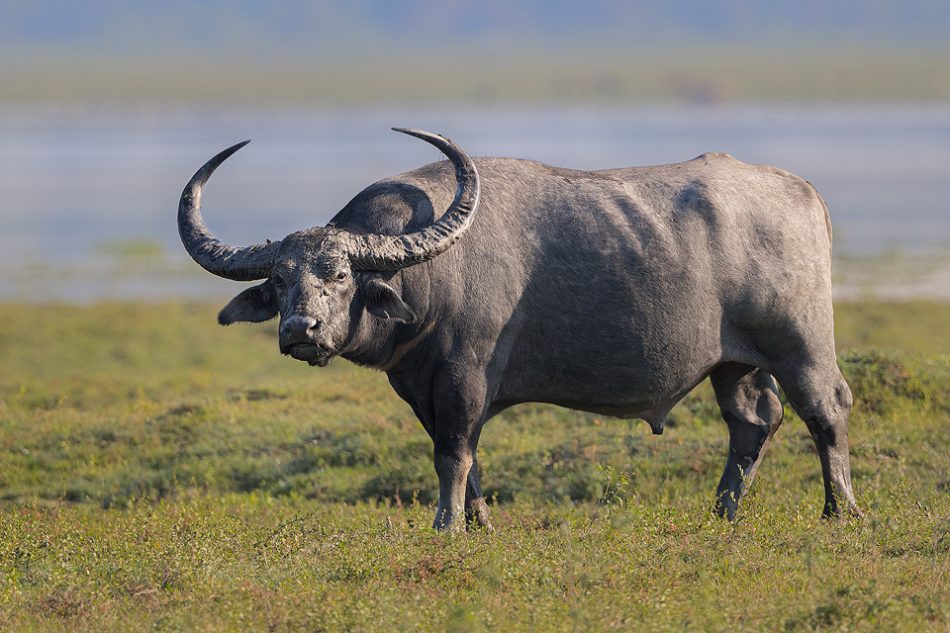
x=458 y=398
x=452 y=466
x=748 y=399
x=476 y=510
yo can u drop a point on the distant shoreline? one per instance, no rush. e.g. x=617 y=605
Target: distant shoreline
x=687 y=76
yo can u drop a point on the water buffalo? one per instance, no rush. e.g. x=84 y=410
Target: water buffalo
x=477 y=284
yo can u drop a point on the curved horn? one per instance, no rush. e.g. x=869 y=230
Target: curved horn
x=240 y=264
x=392 y=252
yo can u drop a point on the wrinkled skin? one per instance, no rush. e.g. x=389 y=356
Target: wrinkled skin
x=614 y=292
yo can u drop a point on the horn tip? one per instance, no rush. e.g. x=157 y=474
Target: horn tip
x=234 y=148
x=414 y=132
x=429 y=137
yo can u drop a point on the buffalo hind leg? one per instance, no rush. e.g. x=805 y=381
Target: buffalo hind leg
x=822 y=398
x=750 y=405
x=476 y=510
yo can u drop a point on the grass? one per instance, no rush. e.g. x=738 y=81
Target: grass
x=158 y=472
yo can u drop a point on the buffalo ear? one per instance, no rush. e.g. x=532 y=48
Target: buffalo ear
x=253 y=305
x=383 y=302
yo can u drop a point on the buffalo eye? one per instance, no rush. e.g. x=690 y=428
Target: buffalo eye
x=340 y=276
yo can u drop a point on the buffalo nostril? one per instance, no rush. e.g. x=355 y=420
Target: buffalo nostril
x=299 y=327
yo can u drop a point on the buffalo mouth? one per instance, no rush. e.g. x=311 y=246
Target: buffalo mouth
x=310 y=353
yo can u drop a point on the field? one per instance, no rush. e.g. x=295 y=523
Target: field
x=160 y=473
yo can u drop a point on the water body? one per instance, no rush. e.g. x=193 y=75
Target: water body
x=76 y=184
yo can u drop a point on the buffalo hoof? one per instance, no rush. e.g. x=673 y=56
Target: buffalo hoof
x=833 y=511
x=476 y=516
x=448 y=521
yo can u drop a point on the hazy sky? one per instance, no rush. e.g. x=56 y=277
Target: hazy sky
x=172 y=28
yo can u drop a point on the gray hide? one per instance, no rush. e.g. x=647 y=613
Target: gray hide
x=614 y=292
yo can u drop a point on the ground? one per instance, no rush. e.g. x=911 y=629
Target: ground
x=158 y=472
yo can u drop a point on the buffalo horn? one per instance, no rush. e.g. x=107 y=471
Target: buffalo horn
x=392 y=252
x=238 y=263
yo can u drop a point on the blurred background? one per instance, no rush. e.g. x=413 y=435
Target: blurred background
x=108 y=107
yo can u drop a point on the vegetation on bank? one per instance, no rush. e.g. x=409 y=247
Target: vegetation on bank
x=158 y=472
x=686 y=74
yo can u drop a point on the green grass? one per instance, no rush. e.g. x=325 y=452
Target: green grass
x=158 y=472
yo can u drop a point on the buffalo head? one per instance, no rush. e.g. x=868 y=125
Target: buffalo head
x=320 y=279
